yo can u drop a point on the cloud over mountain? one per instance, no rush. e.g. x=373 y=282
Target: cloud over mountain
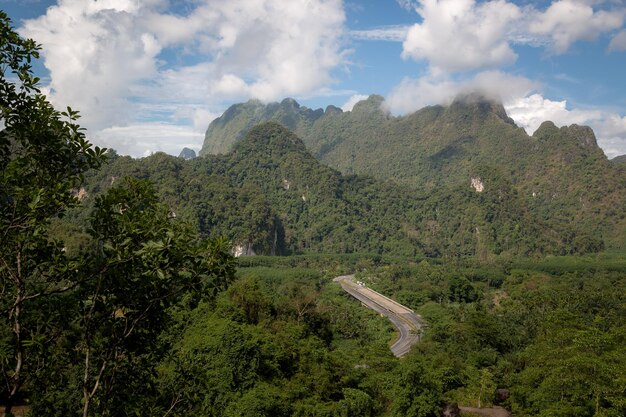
x=461 y=34
x=124 y=62
x=175 y=64
x=467 y=44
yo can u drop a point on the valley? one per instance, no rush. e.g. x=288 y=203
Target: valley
x=500 y=256
x=330 y=262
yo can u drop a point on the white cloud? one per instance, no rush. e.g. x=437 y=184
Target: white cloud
x=349 y=105
x=610 y=128
x=265 y=49
x=502 y=86
x=125 y=62
x=413 y=94
x=618 y=43
x=611 y=132
x=202 y=118
x=198 y=117
x=94 y=51
x=529 y=112
x=395 y=33
x=568 y=21
x=144 y=139
x=462 y=34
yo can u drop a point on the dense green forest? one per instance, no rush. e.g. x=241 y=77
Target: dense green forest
x=120 y=296
x=559 y=174
x=270 y=196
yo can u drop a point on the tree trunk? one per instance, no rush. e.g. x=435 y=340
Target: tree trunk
x=15 y=313
x=86 y=396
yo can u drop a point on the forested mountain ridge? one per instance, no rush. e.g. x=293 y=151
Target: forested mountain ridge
x=113 y=304
x=561 y=172
x=269 y=195
x=240 y=118
x=619 y=160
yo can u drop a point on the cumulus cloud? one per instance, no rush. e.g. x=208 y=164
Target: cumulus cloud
x=143 y=139
x=462 y=34
x=618 y=43
x=264 y=49
x=94 y=52
x=413 y=94
x=568 y=21
x=610 y=128
x=529 y=112
x=348 y=105
x=126 y=62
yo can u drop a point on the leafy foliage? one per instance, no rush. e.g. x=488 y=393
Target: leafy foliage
x=124 y=308
x=43 y=155
x=77 y=328
x=551 y=339
x=559 y=176
x=270 y=195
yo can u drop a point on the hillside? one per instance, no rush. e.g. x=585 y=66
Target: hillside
x=269 y=195
x=561 y=172
x=367 y=140
x=619 y=160
x=232 y=126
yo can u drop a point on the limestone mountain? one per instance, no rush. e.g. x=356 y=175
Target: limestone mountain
x=269 y=195
x=232 y=126
x=561 y=172
x=619 y=160
x=187 y=154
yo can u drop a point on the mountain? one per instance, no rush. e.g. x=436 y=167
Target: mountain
x=619 y=160
x=269 y=195
x=561 y=172
x=187 y=154
x=232 y=126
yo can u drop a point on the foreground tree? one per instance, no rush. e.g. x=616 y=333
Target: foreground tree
x=43 y=155
x=144 y=261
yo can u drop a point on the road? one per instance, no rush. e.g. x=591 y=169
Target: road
x=404 y=319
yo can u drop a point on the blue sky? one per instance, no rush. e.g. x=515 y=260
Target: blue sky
x=149 y=75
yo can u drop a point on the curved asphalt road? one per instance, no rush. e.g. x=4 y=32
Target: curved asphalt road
x=404 y=319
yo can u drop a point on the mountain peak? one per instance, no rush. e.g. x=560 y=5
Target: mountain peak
x=480 y=104
x=583 y=134
x=240 y=118
x=621 y=159
x=370 y=105
x=187 y=154
x=269 y=135
x=290 y=103
x=330 y=109
x=545 y=130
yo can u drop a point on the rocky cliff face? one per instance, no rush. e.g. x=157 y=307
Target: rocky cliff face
x=187 y=154
x=233 y=125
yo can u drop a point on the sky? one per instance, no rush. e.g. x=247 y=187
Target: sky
x=150 y=75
